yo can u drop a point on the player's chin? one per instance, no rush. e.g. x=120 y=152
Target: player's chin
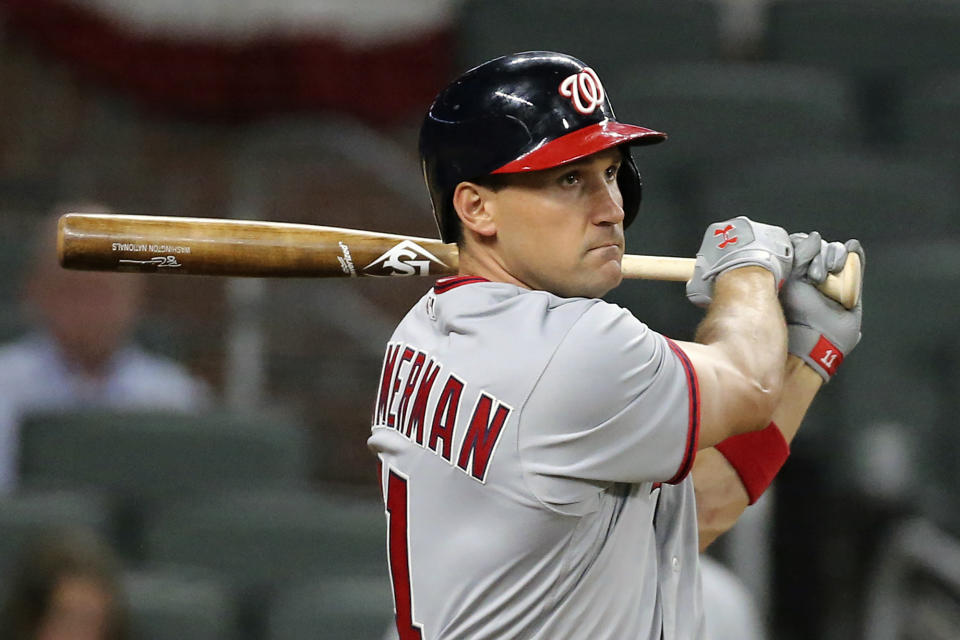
x=603 y=277
x=609 y=282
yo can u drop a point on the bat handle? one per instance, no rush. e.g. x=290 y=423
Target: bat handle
x=844 y=287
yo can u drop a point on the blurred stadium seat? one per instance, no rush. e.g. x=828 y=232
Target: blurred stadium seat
x=331 y=608
x=853 y=195
x=882 y=45
x=179 y=605
x=16 y=234
x=258 y=539
x=865 y=36
x=161 y=454
x=906 y=381
x=915 y=589
x=27 y=514
x=930 y=118
x=718 y=113
x=606 y=34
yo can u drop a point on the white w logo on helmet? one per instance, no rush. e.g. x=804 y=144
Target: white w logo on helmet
x=584 y=90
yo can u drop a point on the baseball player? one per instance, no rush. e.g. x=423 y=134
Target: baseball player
x=535 y=442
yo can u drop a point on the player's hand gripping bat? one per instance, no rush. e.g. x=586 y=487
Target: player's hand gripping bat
x=212 y=246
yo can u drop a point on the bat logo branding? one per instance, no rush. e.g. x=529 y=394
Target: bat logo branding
x=346 y=261
x=584 y=90
x=404 y=259
x=161 y=262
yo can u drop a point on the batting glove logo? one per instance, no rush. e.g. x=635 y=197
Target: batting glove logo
x=727 y=239
x=584 y=90
x=405 y=259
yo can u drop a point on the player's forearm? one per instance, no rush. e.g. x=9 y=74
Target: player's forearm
x=721 y=495
x=801 y=384
x=746 y=323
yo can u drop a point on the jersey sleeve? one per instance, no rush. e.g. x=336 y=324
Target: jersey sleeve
x=617 y=402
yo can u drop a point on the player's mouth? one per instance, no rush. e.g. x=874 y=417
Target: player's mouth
x=611 y=247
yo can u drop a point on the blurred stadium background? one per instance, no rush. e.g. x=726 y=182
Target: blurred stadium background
x=261 y=519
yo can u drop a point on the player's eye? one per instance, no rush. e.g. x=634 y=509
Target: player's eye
x=570 y=179
x=612 y=172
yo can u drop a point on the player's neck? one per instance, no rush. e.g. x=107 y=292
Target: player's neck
x=483 y=261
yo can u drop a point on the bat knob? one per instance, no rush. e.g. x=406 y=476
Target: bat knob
x=844 y=287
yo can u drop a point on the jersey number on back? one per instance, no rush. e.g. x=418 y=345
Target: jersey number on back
x=399 y=557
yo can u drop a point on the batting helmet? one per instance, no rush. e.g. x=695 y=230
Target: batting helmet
x=522 y=112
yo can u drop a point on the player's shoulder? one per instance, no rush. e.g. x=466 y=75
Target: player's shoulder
x=568 y=309
x=456 y=301
x=515 y=317
x=607 y=342
x=583 y=333
x=535 y=317
x=609 y=324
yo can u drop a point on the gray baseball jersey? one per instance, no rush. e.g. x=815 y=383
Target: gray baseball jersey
x=534 y=458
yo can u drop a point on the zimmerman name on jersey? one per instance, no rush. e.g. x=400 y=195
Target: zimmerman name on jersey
x=404 y=403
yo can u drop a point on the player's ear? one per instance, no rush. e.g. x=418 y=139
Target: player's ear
x=474 y=205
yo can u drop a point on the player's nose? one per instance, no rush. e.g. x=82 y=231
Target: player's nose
x=608 y=204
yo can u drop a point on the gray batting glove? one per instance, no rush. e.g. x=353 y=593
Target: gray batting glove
x=820 y=330
x=734 y=243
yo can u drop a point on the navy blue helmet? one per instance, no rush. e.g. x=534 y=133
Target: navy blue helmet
x=523 y=112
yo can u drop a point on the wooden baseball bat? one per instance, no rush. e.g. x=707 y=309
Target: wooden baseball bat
x=224 y=247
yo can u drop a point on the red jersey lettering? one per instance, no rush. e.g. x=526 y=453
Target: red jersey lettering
x=386 y=376
x=413 y=376
x=392 y=416
x=418 y=415
x=482 y=436
x=445 y=416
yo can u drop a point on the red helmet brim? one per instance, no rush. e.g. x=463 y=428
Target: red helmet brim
x=580 y=144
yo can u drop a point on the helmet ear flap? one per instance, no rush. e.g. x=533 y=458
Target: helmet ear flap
x=631 y=187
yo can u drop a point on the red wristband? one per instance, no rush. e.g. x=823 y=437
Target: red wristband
x=757 y=457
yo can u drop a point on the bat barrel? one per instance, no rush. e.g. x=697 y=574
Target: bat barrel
x=212 y=246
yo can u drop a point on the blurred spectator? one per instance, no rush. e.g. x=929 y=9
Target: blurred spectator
x=66 y=588
x=80 y=352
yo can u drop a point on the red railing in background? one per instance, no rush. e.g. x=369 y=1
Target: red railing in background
x=381 y=83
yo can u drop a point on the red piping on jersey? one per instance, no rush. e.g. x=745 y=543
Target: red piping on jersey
x=383 y=495
x=446 y=284
x=693 y=429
